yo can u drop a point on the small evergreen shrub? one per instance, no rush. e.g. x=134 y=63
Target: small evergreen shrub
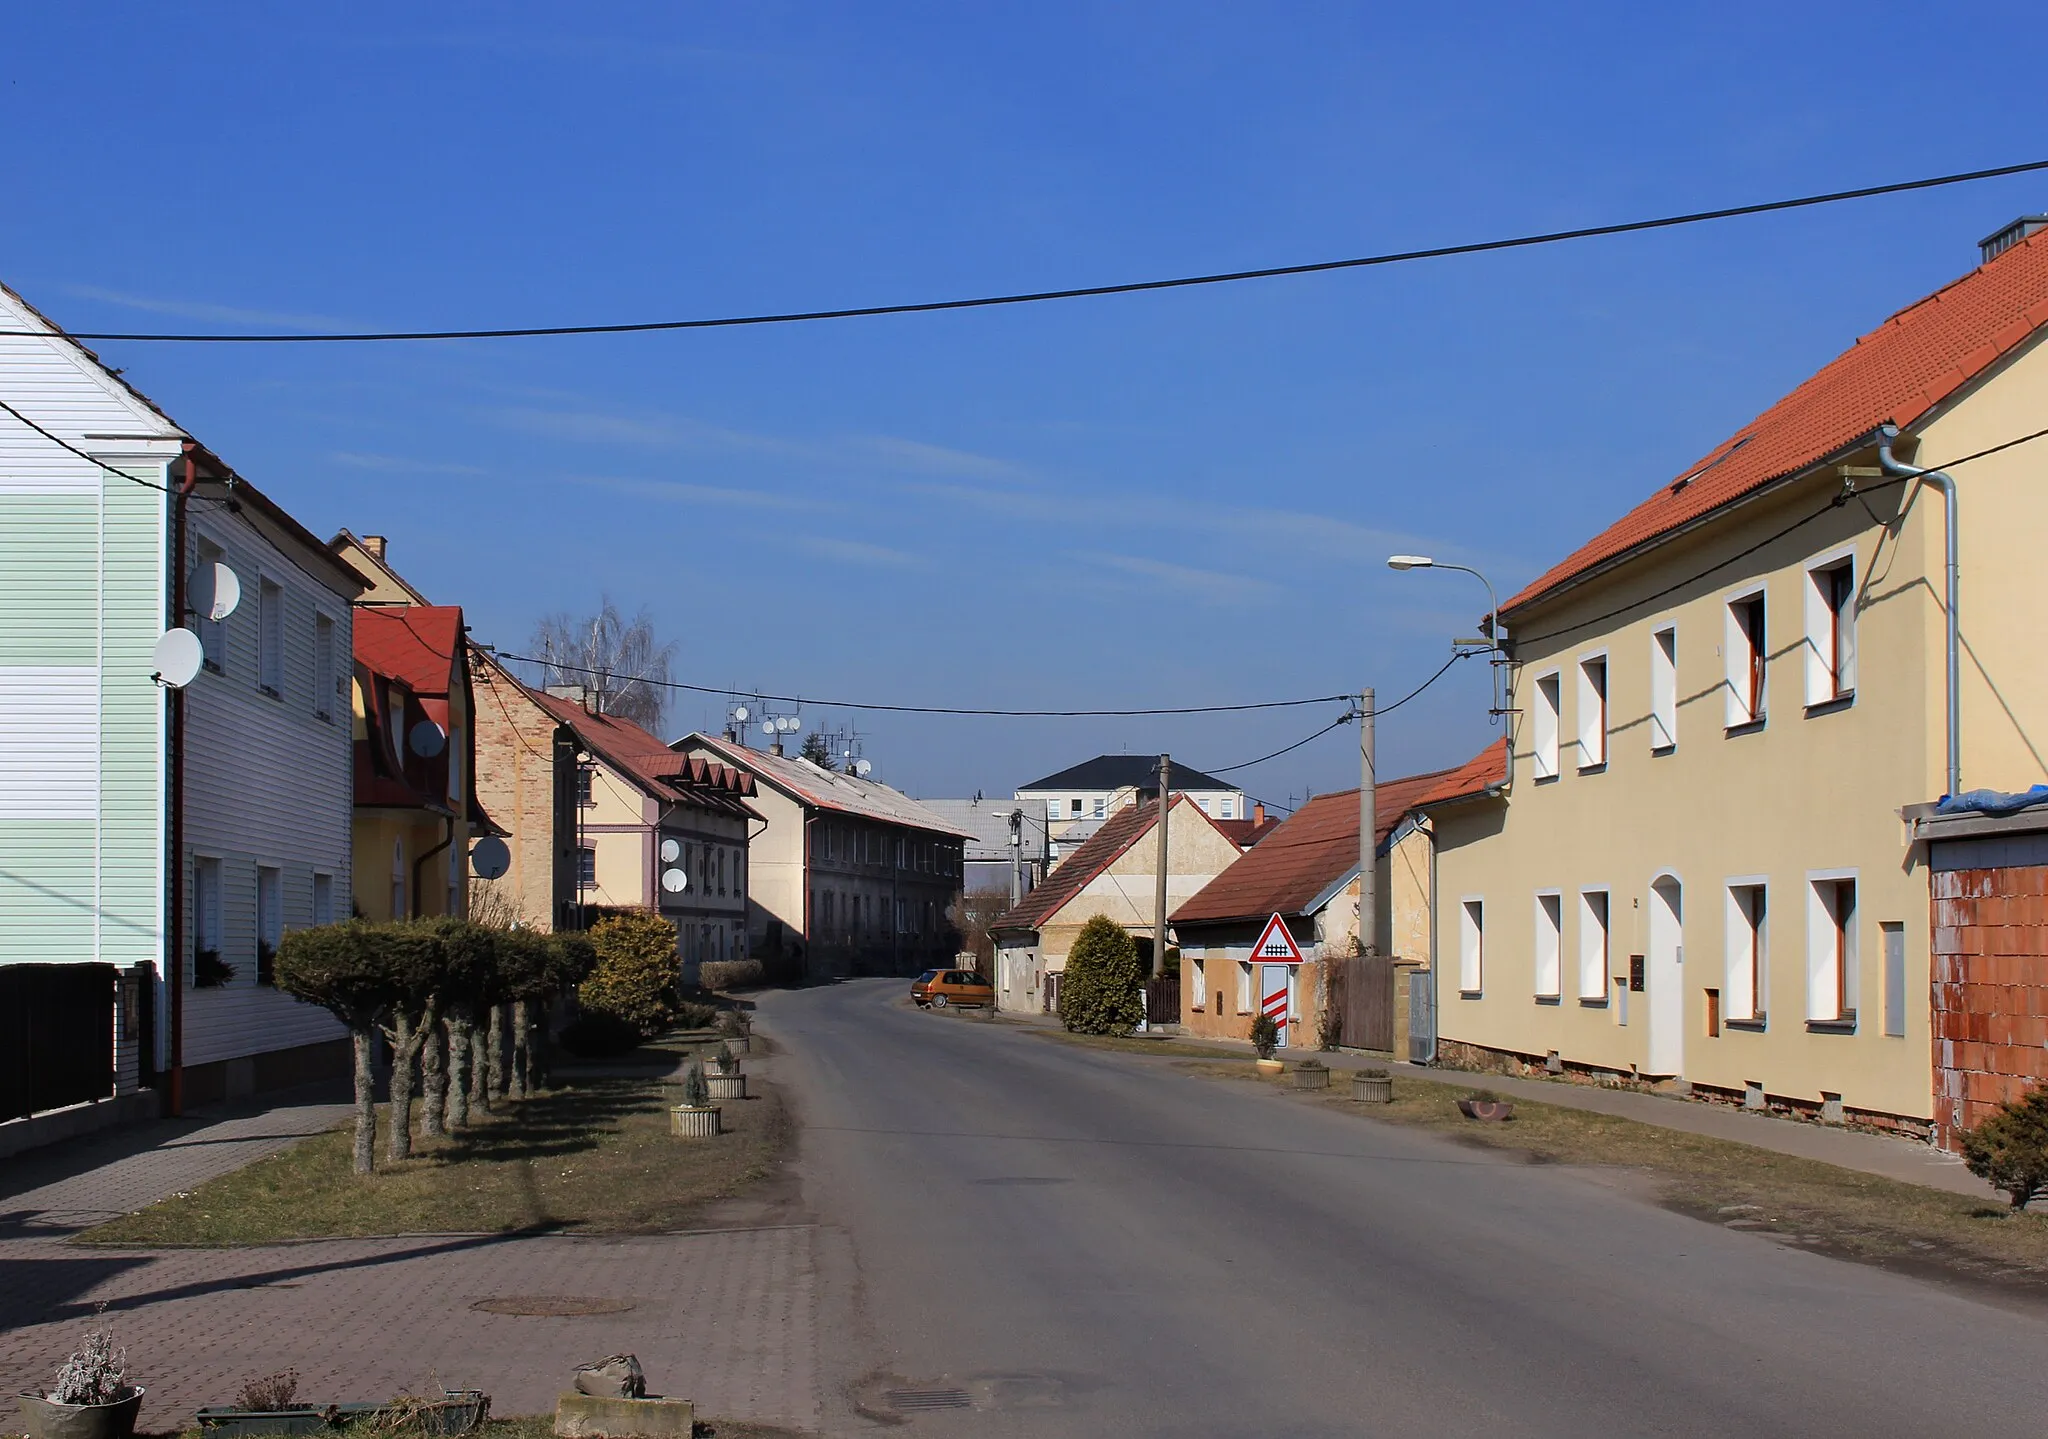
x=690 y=1015
x=597 y=1035
x=696 y=1088
x=2010 y=1149
x=1265 y=1035
x=1373 y=1074
x=637 y=969
x=1102 y=990
x=726 y=1061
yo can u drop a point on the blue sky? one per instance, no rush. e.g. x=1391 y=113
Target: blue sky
x=1156 y=499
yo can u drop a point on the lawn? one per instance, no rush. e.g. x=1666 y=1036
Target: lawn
x=542 y=1426
x=1798 y=1202
x=593 y=1156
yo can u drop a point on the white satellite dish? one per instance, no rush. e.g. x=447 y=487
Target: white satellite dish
x=769 y=727
x=790 y=724
x=739 y=713
x=216 y=590
x=861 y=767
x=670 y=851
x=427 y=739
x=177 y=658
x=490 y=857
x=674 y=881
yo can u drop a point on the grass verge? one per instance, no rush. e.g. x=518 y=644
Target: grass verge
x=594 y=1156
x=1798 y=1202
x=542 y=1426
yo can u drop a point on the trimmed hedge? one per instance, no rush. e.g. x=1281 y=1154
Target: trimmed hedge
x=723 y=974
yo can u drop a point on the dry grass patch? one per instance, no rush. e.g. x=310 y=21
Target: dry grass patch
x=1137 y=1044
x=594 y=1156
x=1799 y=1202
x=542 y=1426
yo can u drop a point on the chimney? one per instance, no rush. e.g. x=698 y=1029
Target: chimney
x=2000 y=240
x=375 y=545
x=1258 y=811
x=775 y=746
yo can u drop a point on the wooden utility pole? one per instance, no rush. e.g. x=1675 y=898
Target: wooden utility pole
x=1368 y=877
x=1159 y=884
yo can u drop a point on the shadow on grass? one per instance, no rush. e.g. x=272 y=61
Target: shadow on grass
x=549 y=1125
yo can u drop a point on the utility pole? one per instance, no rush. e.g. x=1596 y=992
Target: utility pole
x=1368 y=877
x=1159 y=888
x=1016 y=857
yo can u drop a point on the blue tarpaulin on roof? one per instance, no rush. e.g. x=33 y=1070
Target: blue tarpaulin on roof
x=1991 y=801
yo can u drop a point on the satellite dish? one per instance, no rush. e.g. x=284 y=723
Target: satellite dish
x=177 y=658
x=768 y=727
x=216 y=590
x=861 y=768
x=489 y=857
x=739 y=712
x=674 y=881
x=670 y=851
x=427 y=739
x=790 y=724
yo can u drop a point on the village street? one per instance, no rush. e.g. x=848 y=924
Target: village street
x=1088 y=1243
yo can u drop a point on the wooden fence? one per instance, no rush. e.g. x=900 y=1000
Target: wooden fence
x=1362 y=1000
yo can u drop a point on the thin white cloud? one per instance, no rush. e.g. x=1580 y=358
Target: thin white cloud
x=401 y=464
x=1215 y=586
x=857 y=552
x=682 y=492
x=916 y=455
x=201 y=310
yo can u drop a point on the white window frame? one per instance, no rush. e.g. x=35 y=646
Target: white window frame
x=324 y=689
x=1830 y=633
x=1472 y=945
x=323 y=897
x=1663 y=688
x=1244 y=986
x=1592 y=702
x=1827 y=1001
x=1596 y=942
x=208 y=912
x=1198 y=982
x=1228 y=807
x=1743 y=661
x=1547 y=946
x=1546 y=698
x=1746 y=984
x=270 y=613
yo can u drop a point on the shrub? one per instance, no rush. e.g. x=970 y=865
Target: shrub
x=1373 y=1074
x=1102 y=990
x=696 y=1088
x=732 y=974
x=597 y=1035
x=696 y=1016
x=635 y=978
x=1265 y=1035
x=271 y=1393
x=2010 y=1149
x=1311 y=1063
x=735 y=1022
x=96 y=1373
x=726 y=1061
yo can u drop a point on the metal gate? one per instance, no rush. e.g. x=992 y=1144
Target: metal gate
x=1361 y=1000
x=56 y=1036
x=1162 y=999
x=1421 y=1016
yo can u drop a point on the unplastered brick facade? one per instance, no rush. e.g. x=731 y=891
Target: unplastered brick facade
x=1990 y=955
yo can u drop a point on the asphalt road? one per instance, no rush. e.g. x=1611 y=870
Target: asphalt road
x=1085 y=1243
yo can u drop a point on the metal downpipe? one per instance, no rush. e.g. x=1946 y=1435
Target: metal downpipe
x=1892 y=465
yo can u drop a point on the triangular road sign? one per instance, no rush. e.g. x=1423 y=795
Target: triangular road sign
x=1276 y=945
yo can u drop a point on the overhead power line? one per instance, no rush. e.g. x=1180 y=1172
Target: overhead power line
x=1129 y=287
x=65 y=444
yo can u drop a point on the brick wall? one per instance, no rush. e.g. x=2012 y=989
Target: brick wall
x=515 y=783
x=1990 y=956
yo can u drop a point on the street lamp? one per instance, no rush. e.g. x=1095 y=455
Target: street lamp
x=1424 y=562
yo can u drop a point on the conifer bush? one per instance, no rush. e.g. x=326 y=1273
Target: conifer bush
x=2010 y=1149
x=637 y=970
x=1102 y=988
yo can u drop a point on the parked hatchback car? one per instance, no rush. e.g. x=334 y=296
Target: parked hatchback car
x=937 y=988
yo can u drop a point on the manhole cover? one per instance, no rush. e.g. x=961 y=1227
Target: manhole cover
x=909 y=1401
x=552 y=1306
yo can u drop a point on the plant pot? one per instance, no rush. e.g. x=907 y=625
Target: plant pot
x=1311 y=1079
x=1494 y=1109
x=1372 y=1091
x=727 y=1086
x=47 y=1419
x=1269 y=1066
x=686 y=1121
x=458 y=1412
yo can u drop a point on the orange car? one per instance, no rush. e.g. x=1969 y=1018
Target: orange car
x=937 y=988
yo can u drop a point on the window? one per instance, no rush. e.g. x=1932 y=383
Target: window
x=398 y=908
x=721 y=871
x=269 y=921
x=1593 y=712
x=1831 y=952
x=586 y=867
x=1471 y=946
x=1831 y=630
x=739 y=873
x=1198 y=984
x=1544 y=752
x=1747 y=651
x=1244 y=986
x=270 y=638
x=584 y=781
x=213 y=633
x=1077 y=807
x=1593 y=946
x=1228 y=808
x=1747 y=985
x=206 y=914
x=1894 y=977
x=1099 y=803
x=1664 y=690
x=902 y=916
x=324 y=691
x=323 y=899
x=1549 y=941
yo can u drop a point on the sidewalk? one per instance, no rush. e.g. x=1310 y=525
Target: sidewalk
x=1905 y=1160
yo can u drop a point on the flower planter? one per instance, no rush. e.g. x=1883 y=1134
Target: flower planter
x=1494 y=1109
x=1372 y=1091
x=458 y=1413
x=47 y=1419
x=1269 y=1066
x=727 y=1086
x=1311 y=1079
x=689 y=1122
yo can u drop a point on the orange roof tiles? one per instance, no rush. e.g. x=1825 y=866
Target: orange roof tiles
x=1899 y=372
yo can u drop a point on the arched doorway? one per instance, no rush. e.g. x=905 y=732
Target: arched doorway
x=1664 y=978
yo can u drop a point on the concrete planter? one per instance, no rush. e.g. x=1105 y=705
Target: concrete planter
x=727 y=1086
x=47 y=1419
x=1269 y=1066
x=1372 y=1091
x=588 y=1416
x=687 y=1122
x=1305 y=1078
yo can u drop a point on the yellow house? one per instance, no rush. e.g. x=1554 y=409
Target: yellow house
x=1697 y=871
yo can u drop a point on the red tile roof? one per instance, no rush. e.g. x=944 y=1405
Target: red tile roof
x=1100 y=850
x=1244 y=833
x=1899 y=372
x=1469 y=780
x=1312 y=850
x=647 y=761
x=414 y=644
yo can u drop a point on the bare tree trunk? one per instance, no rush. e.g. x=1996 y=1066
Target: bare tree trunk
x=434 y=1082
x=494 y=1051
x=522 y=1033
x=403 y=1038
x=480 y=1067
x=366 y=1100
x=458 y=1072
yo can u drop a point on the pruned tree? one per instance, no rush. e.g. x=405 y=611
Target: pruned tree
x=573 y=958
x=415 y=964
x=1102 y=989
x=526 y=969
x=469 y=988
x=621 y=659
x=341 y=968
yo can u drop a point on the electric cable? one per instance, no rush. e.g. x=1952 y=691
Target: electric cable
x=63 y=443
x=1342 y=719
x=1130 y=287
